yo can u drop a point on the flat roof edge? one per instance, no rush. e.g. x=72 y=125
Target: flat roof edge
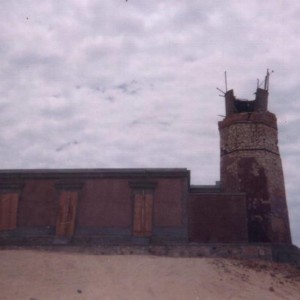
x=93 y=173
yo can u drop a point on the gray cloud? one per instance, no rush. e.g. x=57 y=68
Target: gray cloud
x=135 y=82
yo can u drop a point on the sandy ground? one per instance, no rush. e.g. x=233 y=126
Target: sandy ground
x=42 y=275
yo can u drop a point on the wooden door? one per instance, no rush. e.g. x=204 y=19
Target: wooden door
x=143 y=210
x=65 y=224
x=8 y=211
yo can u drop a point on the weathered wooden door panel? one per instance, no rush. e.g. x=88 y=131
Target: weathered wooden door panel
x=148 y=214
x=143 y=209
x=138 y=214
x=8 y=211
x=65 y=224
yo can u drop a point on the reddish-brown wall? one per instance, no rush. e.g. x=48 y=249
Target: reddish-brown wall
x=169 y=201
x=37 y=204
x=217 y=218
x=108 y=203
x=105 y=201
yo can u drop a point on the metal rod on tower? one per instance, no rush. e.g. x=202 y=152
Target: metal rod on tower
x=267 y=80
x=221 y=91
x=225 y=81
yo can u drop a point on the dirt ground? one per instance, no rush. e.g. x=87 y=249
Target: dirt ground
x=50 y=275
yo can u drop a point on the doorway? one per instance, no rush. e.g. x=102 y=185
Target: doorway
x=65 y=224
x=8 y=211
x=143 y=213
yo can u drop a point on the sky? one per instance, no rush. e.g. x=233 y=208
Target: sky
x=132 y=84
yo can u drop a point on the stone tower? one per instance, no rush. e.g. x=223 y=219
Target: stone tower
x=251 y=164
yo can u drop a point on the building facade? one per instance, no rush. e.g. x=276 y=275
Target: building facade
x=159 y=206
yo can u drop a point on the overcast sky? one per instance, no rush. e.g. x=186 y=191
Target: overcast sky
x=116 y=84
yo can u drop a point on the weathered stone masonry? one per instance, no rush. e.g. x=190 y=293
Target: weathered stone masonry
x=250 y=163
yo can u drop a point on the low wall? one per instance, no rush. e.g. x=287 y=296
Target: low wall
x=268 y=252
x=239 y=251
x=217 y=218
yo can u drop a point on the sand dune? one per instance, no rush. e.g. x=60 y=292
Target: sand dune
x=45 y=275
